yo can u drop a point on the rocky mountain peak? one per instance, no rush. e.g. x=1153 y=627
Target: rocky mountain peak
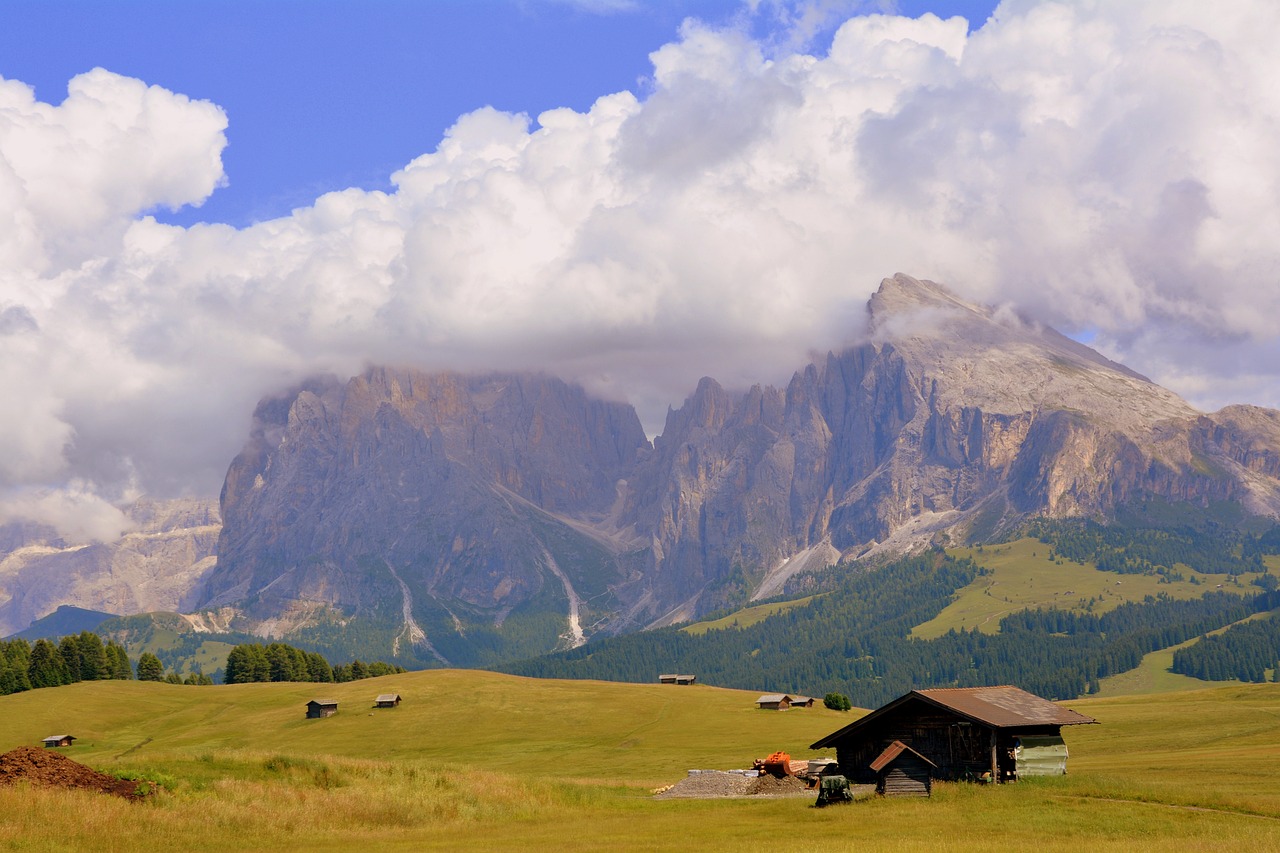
x=903 y=295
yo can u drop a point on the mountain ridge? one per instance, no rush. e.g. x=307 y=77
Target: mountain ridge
x=951 y=419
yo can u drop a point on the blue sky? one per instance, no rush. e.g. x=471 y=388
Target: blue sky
x=323 y=95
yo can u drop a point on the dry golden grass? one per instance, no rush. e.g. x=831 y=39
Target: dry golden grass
x=483 y=761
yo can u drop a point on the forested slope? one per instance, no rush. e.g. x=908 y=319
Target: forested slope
x=856 y=639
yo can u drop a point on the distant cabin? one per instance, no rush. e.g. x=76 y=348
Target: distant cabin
x=774 y=702
x=318 y=708
x=801 y=701
x=903 y=772
x=677 y=679
x=387 y=700
x=996 y=733
x=54 y=741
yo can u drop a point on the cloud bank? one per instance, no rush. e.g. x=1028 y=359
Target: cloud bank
x=1109 y=168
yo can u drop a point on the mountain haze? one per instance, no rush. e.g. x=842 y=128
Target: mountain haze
x=471 y=518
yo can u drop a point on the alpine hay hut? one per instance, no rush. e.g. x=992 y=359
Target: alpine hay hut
x=320 y=708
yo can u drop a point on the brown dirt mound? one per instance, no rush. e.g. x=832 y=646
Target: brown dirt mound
x=773 y=786
x=45 y=768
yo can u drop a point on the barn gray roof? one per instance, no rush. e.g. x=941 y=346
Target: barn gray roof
x=387 y=697
x=999 y=707
x=773 y=697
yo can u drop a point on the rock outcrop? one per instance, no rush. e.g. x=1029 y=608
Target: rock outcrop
x=159 y=565
x=467 y=495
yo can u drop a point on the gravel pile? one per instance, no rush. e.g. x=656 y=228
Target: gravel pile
x=710 y=784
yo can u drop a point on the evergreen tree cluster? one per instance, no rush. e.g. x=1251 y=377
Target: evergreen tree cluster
x=857 y=641
x=1148 y=551
x=254 y=662
x=151 y=668
x=1243 y=652
x=80 y=657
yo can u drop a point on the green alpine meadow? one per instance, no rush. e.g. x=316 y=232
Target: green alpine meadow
x=476 y=760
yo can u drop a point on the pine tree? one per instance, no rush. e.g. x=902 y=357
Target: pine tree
x=150 y=668
x=120 y=668
x=69 y=649
x=318 y=668
x=47 y=668
x=94 y=664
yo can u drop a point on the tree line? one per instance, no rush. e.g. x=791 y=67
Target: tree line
x=80 y=657
x=1243 y=652
x=86 y=657
x=1153 y=550
x=255 y=662
x=856 y=640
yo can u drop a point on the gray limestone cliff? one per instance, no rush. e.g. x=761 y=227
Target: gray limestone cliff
x=464 y=500
x=159 y=565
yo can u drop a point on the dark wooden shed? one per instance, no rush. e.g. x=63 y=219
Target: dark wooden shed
x=967 y=732
x=903 y=772
x=387 y=700
x=318 y=708
x=55 y=741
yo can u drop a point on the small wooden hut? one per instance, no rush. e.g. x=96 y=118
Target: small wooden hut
x=774 y=702
x=320 y=708
x=677 y=679
x=387 y=700
x=801 y=701
x=903 y=772
x=55 y=741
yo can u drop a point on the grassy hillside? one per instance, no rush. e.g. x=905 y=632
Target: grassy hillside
x=1020 y=576
x=746 y=617
x=558 y=729
x=480 y=761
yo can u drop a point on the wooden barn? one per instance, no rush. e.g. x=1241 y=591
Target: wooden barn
x=319 y=708
x=903 y=772
x=677 y=679
x=966 y=732
x=55 y=741
x=774 y=702
x=802 y=701
x=387 y=700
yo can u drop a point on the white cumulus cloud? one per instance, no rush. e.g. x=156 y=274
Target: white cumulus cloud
x=1110 y=167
